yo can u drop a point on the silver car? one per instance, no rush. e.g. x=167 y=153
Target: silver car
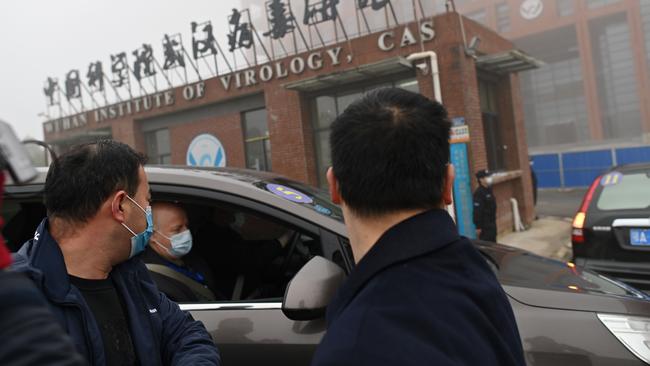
x=278 y=250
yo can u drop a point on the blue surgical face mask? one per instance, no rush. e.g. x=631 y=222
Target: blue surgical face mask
x=139 y=241
x=181 y=243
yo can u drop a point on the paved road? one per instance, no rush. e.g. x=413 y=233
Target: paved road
x=548 y=237
x=559 y=203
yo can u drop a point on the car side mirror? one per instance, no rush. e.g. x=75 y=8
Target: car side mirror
x=312 y=289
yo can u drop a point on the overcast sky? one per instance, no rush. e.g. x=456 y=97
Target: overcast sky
x=48 y=38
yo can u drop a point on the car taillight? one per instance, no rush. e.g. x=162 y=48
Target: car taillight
x=578 y=235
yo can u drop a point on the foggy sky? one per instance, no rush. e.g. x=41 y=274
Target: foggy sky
x=49 y=38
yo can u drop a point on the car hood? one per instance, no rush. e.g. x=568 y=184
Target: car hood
x=543 y=282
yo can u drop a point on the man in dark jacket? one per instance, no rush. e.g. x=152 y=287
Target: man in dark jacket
x=485 y=208
x=83 y=258
x=29 y=334
x=420 y=294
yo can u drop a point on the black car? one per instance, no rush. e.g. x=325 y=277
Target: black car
x=611 y=231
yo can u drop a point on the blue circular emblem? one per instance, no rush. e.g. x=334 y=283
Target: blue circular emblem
x=289 y=193
x=206 y=151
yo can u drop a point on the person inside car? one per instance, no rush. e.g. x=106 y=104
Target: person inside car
x=83 y=258
x=178 y=272
x=420 y=293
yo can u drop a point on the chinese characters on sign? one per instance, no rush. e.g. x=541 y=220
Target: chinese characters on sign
x=173 y=52
x=374 y=4
x=280 y=19
x=80 y=85
x=51 y=86
x=143 y=65
x=203 y=42
x=95 y=76
x=320 y=11
x=120 y=70
x=72 y=85
x=241 y=34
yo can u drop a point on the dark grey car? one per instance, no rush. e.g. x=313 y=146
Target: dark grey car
x=257 y=230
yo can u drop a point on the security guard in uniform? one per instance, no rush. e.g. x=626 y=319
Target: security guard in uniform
x=485 y=207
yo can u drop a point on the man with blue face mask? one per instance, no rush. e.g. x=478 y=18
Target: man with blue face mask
x=177 y=271
x=85 y=258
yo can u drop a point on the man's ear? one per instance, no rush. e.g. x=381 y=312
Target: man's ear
x=335 y=194
x=448 y=189
x=117 y=209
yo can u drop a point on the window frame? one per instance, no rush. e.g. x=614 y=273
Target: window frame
x=248 y=141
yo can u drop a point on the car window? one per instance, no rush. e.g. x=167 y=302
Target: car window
x=631 y=191
x=245 y=255
x=21 y=218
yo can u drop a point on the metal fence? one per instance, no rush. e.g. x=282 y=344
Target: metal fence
x=579 y=169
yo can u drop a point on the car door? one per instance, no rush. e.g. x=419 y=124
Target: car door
x=250 y=329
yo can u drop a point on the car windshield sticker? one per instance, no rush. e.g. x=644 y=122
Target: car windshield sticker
x=323 y=210
x=611 y=179
x=289 y=193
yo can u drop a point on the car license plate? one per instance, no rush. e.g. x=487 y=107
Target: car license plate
x=640 y=237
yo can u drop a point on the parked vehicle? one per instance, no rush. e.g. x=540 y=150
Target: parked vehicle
x=280 y=250
x=611 y=230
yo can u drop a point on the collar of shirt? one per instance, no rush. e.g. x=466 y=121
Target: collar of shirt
x=413 y=237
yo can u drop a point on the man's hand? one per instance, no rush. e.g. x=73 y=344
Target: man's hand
x=478 y=232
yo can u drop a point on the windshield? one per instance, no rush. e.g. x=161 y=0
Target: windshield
x=630 y=192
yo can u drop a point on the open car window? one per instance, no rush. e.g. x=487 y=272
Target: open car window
x=243 y=254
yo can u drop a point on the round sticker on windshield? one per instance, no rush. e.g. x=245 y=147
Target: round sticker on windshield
x=611 y=179
x=289 y=193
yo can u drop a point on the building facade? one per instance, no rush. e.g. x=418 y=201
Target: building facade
x=594 y=90
x=276 y=116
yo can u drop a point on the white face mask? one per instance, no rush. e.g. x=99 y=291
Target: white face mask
x=489 y=181
x=181 y=243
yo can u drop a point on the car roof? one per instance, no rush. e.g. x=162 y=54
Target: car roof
x=629 y=168
x=239 y=182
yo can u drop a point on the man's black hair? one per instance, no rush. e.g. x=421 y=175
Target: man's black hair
x=81 y=180
x=390 y=151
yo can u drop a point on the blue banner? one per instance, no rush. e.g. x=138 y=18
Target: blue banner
x=463 y=191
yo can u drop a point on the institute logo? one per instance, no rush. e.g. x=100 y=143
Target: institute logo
x=531 y=9
x=206 y=151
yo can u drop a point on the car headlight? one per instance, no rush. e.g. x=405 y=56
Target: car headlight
x=632 y=331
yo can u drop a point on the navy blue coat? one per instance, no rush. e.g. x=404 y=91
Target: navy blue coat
x=162 y=334
x=422 y=295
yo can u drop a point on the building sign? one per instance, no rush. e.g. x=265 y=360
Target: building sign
x=387 y=41
x=531 y=9
x=133 y=77
x=463 y=190
x=459 y=134
x=206 y=151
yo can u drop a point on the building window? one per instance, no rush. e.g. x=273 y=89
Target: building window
x=491 y=126
x=327 y=106
x=555 y=110
x=615 y=76
x=565 y=7
x=158 y=146
x=503 y=17
x=478 y=16
x=256 y=140
x=592 y=4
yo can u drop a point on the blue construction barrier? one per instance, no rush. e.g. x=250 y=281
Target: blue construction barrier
x=631 y=155
x=579 y=169
x=547 y=169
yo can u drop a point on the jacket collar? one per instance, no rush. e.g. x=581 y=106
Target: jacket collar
x=414 y=237
x=43 y=260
